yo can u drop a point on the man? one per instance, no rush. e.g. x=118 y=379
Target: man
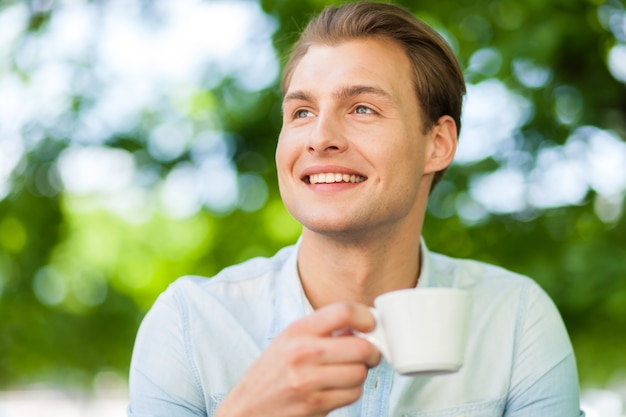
x=371 y=110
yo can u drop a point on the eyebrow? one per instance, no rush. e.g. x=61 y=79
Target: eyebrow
x=297 y=95
x=357 y=90
x=341 y=93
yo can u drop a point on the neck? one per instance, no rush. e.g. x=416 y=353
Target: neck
x=336 y=269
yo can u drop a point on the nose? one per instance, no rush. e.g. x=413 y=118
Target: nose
x=327 y=136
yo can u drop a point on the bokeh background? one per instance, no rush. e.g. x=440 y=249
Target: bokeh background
x=137 y=140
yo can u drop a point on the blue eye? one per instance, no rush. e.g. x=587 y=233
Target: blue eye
x=363 y=110
x=302 y=113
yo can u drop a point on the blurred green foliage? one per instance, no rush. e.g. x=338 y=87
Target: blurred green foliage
x=76 y=278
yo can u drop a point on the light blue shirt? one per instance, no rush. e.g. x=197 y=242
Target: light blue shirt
x=202 y=334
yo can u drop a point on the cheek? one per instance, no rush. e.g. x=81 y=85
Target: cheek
x=401 y=152
x=404 y=166
x=285 y=154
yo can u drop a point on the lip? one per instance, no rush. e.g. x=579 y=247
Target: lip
x=322 y=169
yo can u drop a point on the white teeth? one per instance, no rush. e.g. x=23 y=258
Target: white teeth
x=330 y=178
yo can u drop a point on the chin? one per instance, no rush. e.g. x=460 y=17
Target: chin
x=326 y=224
x=336 y=228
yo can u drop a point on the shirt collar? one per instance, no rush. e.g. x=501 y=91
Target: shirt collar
x=425 y=276
x=291 y=303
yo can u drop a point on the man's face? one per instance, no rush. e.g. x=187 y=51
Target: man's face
x=351 y=155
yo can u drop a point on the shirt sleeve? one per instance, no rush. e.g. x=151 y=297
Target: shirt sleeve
x=163 y=380
x=544 y=380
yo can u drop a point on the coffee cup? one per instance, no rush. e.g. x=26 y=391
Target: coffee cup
x=422 y=330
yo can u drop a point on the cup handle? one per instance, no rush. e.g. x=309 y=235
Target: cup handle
x=377 y=336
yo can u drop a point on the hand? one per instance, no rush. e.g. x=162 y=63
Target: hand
x=308 y=370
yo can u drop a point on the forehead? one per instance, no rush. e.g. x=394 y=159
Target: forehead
x=377 y=62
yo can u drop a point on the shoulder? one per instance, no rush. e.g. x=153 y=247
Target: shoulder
x=511 y=296
x=247 y=286
x=242 y=293
x=255 y=272
x=479 y=276
x=506 y=299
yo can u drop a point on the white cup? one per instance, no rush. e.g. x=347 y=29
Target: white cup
x=422 y=330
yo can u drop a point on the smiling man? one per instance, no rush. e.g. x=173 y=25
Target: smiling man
x=349 y=109
x=371 y=114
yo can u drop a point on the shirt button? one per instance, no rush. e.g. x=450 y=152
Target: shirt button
x=376 y=382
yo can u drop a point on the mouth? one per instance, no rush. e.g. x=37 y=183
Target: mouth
x=330 y=178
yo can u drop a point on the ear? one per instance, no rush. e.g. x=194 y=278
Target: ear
x=443 y=143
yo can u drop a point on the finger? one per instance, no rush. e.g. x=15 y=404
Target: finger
x=325 y=377
x=347 y=349
x=336 y=317
x=343 y=376
x=328 y=400
x=307 y=385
